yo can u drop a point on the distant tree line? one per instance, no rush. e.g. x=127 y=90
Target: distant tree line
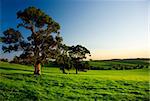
x=119 y=67
x=4 y=60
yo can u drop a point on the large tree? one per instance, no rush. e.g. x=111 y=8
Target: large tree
x=42 y=43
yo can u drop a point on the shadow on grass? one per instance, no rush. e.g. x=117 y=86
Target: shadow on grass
x=6 y=68
x=16 y=76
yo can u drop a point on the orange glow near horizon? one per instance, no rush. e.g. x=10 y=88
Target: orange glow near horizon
x=119 y=54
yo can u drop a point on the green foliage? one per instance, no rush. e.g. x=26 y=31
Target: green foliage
x=32 y=15
x=72 y=57
x=11 y=40
x=78 y=52
x=17 y=83
x=42 y=43
x=11 y=36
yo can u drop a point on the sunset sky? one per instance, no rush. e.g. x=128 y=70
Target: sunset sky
x=108 y=28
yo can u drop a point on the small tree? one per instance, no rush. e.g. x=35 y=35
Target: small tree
x=15 y=60
x=72 y=57
x=77 y=54
x=41 y=44
x=63 y=59
x=4 y=60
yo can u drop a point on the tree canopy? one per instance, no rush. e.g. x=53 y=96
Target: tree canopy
x=44 y=42
x=72 y=57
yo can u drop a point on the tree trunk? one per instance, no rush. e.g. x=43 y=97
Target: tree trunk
x=76 y=70
x=63 y=70
x=37 y=68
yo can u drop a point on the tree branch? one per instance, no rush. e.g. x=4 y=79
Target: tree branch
x=27 y=27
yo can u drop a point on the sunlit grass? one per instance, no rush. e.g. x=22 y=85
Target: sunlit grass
x=17 y=83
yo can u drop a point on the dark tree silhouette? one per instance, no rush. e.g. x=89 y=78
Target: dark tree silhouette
x=72 y=57
x=41 y=45
x=77 y=54
x=4 y=60
x=63 y=59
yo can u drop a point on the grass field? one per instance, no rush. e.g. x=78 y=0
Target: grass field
x=118 y=64
x=17 y=83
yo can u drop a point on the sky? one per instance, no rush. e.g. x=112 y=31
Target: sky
x=108 y=28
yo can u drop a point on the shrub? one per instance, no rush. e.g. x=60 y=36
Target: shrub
x=4 y=60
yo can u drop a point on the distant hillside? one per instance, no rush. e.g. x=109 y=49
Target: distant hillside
x=120 y=64
x=146 y=59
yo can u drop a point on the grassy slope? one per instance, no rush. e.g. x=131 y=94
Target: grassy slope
x=17 y=82
x=111 y=63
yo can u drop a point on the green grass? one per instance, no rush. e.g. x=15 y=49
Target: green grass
x=17 y=83
x=119 y=63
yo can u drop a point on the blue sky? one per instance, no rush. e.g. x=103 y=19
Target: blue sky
x=108 y=28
